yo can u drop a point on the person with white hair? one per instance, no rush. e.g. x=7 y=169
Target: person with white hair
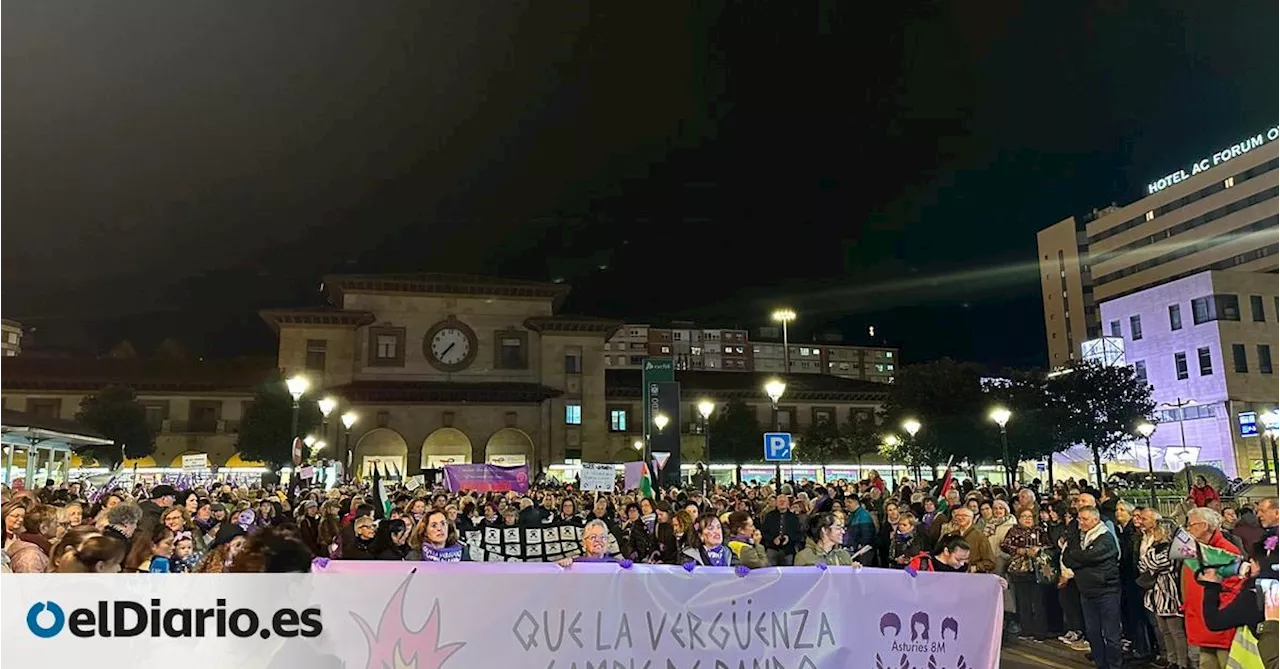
x=1095 y=560
x=1205 y=526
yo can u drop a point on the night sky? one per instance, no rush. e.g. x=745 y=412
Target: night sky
x=172 y=167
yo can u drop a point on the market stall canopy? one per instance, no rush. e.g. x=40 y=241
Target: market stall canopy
x=21 y=429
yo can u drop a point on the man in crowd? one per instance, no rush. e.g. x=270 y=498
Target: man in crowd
x=782 y=533
x=1204 y=525
x=1095 y=560
x=981 y=558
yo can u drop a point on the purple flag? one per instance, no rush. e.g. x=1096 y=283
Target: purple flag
x=486 y=478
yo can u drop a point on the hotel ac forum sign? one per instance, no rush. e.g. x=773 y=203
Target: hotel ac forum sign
x=1234 y=151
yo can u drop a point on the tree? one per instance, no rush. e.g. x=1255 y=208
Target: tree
x=947 y=399
x=859 y=436
x=821 y=444
x=116 y=413
x=1098 y=406
x=1032 y=427
x=736 y=434
x=264 y=430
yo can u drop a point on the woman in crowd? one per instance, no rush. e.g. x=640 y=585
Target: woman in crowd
x=15 y=515
x=69 y=546
x=823 y=536
x=360 y=545
x=150 y=554
x=1024 y=543
x=223 y=550
x=69 y=516
x=744 y=541
x=177 y=519
x=29 y=552
x=274 y=550
x=390 y=542
x=907 y=541
x=96 y=554
x=435 y=539
x=708 y=547
x=884 y=532
x=1158 y=578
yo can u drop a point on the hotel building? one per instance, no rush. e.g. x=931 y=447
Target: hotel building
x=1206 y=344
x=1219 y=213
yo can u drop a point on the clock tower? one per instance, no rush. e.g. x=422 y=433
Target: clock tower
x=444 y=369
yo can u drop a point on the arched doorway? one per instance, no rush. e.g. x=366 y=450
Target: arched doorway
x=446 y=446
x=383 y=446
x=626 y=455
x=509 y=447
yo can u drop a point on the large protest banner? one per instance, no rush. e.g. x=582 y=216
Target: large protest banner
x=456 y=616
x=486 y=478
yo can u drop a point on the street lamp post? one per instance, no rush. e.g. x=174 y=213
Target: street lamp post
x=1146 y=429
x=297 y=386
x=327 y=405
x=891 y=442
x=660 y=421
x=912 y=426
x=705 y=409
x=785 y=316
x=1001 y=416
x=1270 y=431
x=1180 y=404
x=774 y=389
x=348 y=419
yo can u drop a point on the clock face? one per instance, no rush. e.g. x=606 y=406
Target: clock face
x=450 y=345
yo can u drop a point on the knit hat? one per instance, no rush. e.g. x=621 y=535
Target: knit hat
x=226 y=533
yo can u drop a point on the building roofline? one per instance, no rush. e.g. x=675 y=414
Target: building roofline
x=316 y=316
x=445 y=284
x=586 y=326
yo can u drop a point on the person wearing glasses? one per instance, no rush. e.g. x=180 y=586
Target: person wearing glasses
x=595 y=544
x=1211 y=647
x=435 y=539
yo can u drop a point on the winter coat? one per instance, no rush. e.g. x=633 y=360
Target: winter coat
x=26 y=557
x=811 y=555
x=1198 y=634
x=1096 y=565
x=748 y=554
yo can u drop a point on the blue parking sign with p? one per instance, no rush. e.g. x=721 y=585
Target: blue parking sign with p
x=777 y=446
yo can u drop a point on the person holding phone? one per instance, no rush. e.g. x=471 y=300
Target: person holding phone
x=1254 y=608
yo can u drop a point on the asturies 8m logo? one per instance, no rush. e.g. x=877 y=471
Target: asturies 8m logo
x=123 y=618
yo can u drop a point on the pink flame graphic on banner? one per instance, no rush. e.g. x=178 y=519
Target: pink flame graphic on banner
x=396 y=646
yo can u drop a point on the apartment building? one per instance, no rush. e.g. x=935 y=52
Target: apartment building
x=194 y=407
x=1218 y=213
x=10 y=337
x=734 y=350
x=1206 y=344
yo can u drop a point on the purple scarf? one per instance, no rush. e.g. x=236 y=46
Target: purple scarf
x=447 y=554
x=718 y=556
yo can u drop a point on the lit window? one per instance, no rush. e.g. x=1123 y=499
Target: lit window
x=888 y=354
x=573 y=414
x=696 y=350
x=804 y=351
x=617 y=420
x=666 y=349
x=1231 y=181
x=1151 y=215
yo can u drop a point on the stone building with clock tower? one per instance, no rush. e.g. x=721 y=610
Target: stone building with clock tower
x=447 y=369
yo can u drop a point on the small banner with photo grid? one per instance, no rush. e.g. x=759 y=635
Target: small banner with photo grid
x=547 y=543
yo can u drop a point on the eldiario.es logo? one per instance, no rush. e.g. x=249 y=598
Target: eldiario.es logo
x=131 y=619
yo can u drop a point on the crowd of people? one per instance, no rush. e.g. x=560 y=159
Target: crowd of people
x=1083 y=567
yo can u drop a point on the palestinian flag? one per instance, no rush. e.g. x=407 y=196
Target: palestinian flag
x=948 y=482
x=381 y=501
x=646 y=483
x=1194 y=555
